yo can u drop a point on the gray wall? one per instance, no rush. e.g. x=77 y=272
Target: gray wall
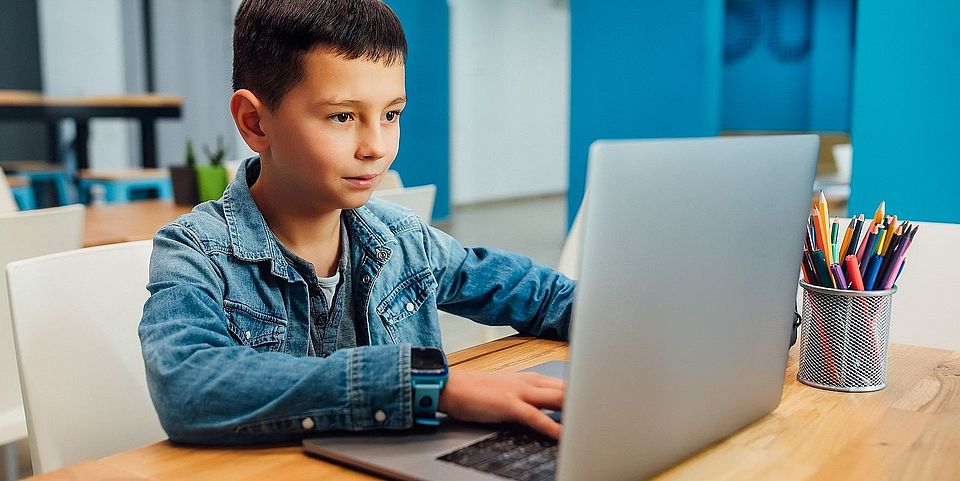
x=20 y=70
x=192 y=58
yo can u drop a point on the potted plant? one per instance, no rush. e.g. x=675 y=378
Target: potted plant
x=184 y=179
x=212 y=178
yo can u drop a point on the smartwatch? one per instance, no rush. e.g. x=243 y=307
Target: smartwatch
x=428 y=372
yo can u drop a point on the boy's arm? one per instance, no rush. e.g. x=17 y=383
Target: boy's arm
x=496 y=287
x=208 y=388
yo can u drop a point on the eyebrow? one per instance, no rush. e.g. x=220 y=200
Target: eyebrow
x=348 y=102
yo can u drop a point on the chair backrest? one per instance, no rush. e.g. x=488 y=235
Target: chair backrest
x=572 y=250
x=7 y=202
x=391 y=180
x=24 y=235
x=926 y=304
x=75 y=318
x=843 y=157
x=418 y=199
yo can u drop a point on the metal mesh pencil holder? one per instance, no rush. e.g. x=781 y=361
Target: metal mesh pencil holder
x=843 y=341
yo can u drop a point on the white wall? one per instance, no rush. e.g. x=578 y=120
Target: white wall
x=81 y=49
x=509 y=81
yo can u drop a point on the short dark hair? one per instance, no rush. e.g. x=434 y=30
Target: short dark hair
x=271 y=37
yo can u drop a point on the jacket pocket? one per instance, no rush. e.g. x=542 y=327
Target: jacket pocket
x=251 y=328
x=407 y=297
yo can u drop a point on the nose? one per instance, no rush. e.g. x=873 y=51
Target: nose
x=370 y=145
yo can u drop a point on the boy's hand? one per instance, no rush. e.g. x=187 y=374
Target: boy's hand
x=494 y=397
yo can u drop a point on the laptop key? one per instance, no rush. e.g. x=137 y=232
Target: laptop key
x=517 y=455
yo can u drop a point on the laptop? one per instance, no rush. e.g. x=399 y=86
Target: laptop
x=681 y=323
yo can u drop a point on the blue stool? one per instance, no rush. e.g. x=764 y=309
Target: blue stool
x=22 y=192
x=42 y=171
x=119 y=185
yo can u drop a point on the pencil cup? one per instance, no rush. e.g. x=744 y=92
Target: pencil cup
x=843 y=341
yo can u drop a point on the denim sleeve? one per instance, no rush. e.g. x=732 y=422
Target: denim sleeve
x=208 y=389
x=499 y=288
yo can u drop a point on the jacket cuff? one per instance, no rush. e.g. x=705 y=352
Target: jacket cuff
x=379 y=387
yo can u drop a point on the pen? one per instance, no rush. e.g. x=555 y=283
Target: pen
x=834 y=229
x=838 y=275
x=871 y=276
x=823 y=272
x=853 y=270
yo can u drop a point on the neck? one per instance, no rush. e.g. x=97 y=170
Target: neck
x=308 y=230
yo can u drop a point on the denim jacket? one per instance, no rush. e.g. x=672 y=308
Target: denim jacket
x=225 y=331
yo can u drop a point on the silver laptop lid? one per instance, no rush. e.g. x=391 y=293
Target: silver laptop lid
x=684 y=310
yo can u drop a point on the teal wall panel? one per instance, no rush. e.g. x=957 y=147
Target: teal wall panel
x=641 y=69
x=906 y=109
x=424 y=156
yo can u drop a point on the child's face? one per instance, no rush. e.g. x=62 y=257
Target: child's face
x=334 y=134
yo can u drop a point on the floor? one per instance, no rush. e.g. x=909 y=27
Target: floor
x=534 y=227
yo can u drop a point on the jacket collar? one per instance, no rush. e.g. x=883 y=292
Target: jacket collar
x=252 y=240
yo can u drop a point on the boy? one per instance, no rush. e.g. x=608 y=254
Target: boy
x=292 y=304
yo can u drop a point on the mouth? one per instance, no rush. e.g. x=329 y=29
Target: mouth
x=363 y=181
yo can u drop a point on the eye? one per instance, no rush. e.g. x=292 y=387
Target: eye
x=392 y=116
x=342 y=117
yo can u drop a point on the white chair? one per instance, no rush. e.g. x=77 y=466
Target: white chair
x=391 y=180
x=7 y=202
x=418 y=199
x=926 y=304
x=24 y=235
x=572 y=250
x=75 y=318
x=836 y=187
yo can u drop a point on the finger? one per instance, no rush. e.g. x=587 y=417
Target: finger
x=544 y=398
x=549 y=381
x=539 y=421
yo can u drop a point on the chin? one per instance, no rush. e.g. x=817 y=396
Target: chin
x=352 y=202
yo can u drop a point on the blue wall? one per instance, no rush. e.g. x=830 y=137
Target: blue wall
x=424 y=156
x=906 y=110
x=641 y=69
x=787 y=65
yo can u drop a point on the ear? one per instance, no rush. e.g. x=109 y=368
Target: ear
x=246 y=109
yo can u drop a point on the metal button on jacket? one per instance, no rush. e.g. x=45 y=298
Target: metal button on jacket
x=307 y=423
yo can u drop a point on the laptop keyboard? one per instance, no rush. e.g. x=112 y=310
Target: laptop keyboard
x=519 y=455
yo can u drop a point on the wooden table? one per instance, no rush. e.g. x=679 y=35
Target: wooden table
x=910 y=430
x=147 y=108
x=112 y=223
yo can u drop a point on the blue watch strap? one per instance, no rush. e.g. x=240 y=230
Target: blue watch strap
x=426 y=398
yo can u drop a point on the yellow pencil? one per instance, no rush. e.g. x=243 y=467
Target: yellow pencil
x=878 y=215
x=891 y=228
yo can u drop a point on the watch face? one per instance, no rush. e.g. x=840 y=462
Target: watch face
x=427 y=359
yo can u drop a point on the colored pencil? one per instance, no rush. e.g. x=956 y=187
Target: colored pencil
x=866 y=250
x=846 y=240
